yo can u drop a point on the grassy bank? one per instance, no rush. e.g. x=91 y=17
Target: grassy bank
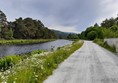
x=24 y=41
x=8 y=62
x=105 y=45
x=38 y=67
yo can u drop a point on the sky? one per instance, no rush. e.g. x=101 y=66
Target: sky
x=64 y=15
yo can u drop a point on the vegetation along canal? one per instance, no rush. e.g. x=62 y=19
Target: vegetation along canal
x=20 y=49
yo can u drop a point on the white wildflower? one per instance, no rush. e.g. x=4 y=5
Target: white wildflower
x=42 y=67
x=36 y=75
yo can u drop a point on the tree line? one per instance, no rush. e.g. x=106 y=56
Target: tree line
x=29 y=28
x=26 y=28
x=107 y=29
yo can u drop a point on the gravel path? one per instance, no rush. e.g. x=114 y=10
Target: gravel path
x=89 y=64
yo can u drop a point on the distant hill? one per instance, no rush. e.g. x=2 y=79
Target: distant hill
x=62 y=35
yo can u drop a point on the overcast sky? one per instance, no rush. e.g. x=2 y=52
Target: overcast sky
x=63 y=15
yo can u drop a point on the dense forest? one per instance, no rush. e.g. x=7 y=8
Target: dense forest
x=27 y=28
x=107 y=29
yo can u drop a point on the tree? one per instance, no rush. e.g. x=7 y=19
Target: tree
x=72 y=36
x=82 y=35
x=108 y=23
x=5 y=30
x=96 y=25
x=114 y=28
x=31 y=29
x=19 y=29
x=92 y=35
x=2 y=22
x=3 y=18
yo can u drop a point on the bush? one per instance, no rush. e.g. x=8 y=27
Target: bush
x=92 y=35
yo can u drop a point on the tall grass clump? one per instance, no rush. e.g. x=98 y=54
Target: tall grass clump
x=8 y=62
x=38 y=67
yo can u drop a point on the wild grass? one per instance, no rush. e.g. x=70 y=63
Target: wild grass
x=105 y=45
x=38 y=67
x=8 y=62
x=24 y=41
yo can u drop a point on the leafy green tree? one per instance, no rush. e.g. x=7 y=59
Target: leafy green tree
x=2 y=22
x=108 y=33
x=3 y=18
x=31 y=29
x=108 y=23
x=72 y=36
x=82 y=35
x=114 y=28
x=96 y=25
x=92 y=35
x=19 y=29
x=5 y=31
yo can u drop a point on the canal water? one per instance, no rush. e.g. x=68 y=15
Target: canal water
x=20 y=49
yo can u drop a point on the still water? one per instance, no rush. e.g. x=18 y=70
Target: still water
x=20 y=49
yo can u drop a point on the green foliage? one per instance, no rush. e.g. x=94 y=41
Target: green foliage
x=31 y=29
x=5 y=31
x=92 y=35
x=72 y=36
x=108 y=33
x=8 y=62
x=37 y=52
x=114 y=28
x=108 y=23
x=27 y=74
x=27 y=28
x=108 y=29
x=2 y=18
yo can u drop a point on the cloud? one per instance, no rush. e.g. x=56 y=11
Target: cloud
x=109 y=8
x=77 y=14
x=64 y=28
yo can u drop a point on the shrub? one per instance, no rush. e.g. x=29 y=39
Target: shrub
x=92 y=35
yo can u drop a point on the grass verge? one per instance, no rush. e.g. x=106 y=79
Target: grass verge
x=8 y=62
x=37 y=68
x=105 y=45
x=24 y=41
